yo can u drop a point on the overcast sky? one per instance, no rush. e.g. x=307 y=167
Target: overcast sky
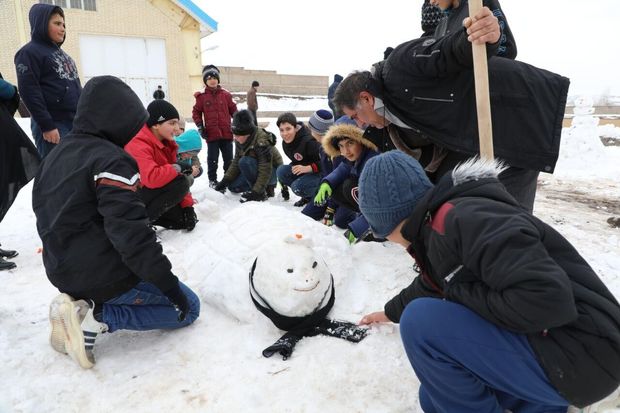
x=579 y=39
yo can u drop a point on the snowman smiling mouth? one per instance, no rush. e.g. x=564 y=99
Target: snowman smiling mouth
x=305 y=290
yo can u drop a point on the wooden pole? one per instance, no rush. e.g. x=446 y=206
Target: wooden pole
x=483 y=103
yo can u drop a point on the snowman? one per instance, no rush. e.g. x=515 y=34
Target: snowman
x=293 y=287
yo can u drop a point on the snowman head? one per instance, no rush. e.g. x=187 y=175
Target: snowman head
x=289 y=278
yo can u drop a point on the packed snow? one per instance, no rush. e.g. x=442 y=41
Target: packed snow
x=216 y=365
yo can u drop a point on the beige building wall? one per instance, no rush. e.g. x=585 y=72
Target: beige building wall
x=238 y=79
x=160 y=19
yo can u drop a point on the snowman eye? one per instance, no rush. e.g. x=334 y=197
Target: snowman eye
x=290 y=270
x=314 y=264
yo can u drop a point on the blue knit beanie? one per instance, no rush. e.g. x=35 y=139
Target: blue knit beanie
x=189 y=141
x=320 y=121
x=344 y=119
x=391 y=185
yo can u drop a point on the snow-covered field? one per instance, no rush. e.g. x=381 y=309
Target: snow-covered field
x=216 y=365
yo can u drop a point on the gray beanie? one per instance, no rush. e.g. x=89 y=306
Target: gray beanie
x=391 y=185
x=320 y=121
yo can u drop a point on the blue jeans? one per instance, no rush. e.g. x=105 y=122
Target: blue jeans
x=145 y=307
x=213 y=156
x=248 y=168
x=468 y=364
x=44 y=147
x=304 y=185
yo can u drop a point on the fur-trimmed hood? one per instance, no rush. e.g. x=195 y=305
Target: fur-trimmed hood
x=338 y=132
x=477 y=168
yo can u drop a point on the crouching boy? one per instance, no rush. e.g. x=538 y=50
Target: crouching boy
x=165 y=182
x=190 y=145
x=342 y=183
x=504 y=314
x=253 y=169
x=98 y=249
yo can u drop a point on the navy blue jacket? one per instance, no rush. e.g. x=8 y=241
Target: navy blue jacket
x=47 y=77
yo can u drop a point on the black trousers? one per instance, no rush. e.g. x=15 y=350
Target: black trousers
x=161 y=202
x=346 y=194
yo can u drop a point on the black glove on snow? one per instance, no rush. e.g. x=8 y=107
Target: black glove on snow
x=179 y=300
x=284 y=346
x=252 y=196
x=221 y=186
x=342 y=329
x=285 y=194
x=189 y=215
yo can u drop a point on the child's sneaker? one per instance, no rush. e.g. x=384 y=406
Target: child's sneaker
x=82 y=330
x=58 y=334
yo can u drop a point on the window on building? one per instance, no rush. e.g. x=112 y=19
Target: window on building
x=61 y=3
x=90 y=5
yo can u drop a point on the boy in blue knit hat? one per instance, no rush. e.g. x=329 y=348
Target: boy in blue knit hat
x=190 y=145
x=504 y=314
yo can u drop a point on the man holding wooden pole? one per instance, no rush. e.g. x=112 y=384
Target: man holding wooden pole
x=423 y=96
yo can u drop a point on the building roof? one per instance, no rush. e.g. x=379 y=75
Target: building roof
x=207 y=24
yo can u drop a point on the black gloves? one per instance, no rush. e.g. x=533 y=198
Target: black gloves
x=179 y=300
x=190 y=218
x=185 y=166
x=342 y=329
x=285 y=346
x=253 y=196
x=285 y=195
x=221 y=186
x=202 y=131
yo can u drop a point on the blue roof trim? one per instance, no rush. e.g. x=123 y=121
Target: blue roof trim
x=197 y=12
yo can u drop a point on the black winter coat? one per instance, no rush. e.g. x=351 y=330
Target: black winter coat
x=429 y=84
x=507 y=46
x=96 y=240
x=304 y=149
x=19 y=159
x=476 y=246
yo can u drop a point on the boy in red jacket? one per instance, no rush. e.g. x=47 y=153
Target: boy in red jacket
x=212 y=114
x=165 y=186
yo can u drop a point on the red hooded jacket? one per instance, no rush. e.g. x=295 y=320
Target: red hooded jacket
x=155 y=159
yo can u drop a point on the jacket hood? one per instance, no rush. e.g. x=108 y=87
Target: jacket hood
x=338 y=78
x=344 y=130
x=110 y=110
x=473 y=178
x=39 y=17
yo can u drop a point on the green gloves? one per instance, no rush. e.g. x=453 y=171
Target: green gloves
x=324 y=192
x=350 y=237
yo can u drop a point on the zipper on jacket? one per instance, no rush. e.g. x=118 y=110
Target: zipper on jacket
x=413 y=99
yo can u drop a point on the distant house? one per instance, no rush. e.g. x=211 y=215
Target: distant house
x=144 y=42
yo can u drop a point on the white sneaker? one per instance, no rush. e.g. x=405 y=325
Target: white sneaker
x=81 y=331
x=58 y=335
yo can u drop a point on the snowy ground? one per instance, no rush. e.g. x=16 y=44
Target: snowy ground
x=216 y=365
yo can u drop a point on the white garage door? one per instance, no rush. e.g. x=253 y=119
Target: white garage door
x=141 y=63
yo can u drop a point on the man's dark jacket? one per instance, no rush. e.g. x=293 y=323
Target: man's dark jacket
x=476 y=246
x=96 y=241
x=19 y=160
x=429 y=84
